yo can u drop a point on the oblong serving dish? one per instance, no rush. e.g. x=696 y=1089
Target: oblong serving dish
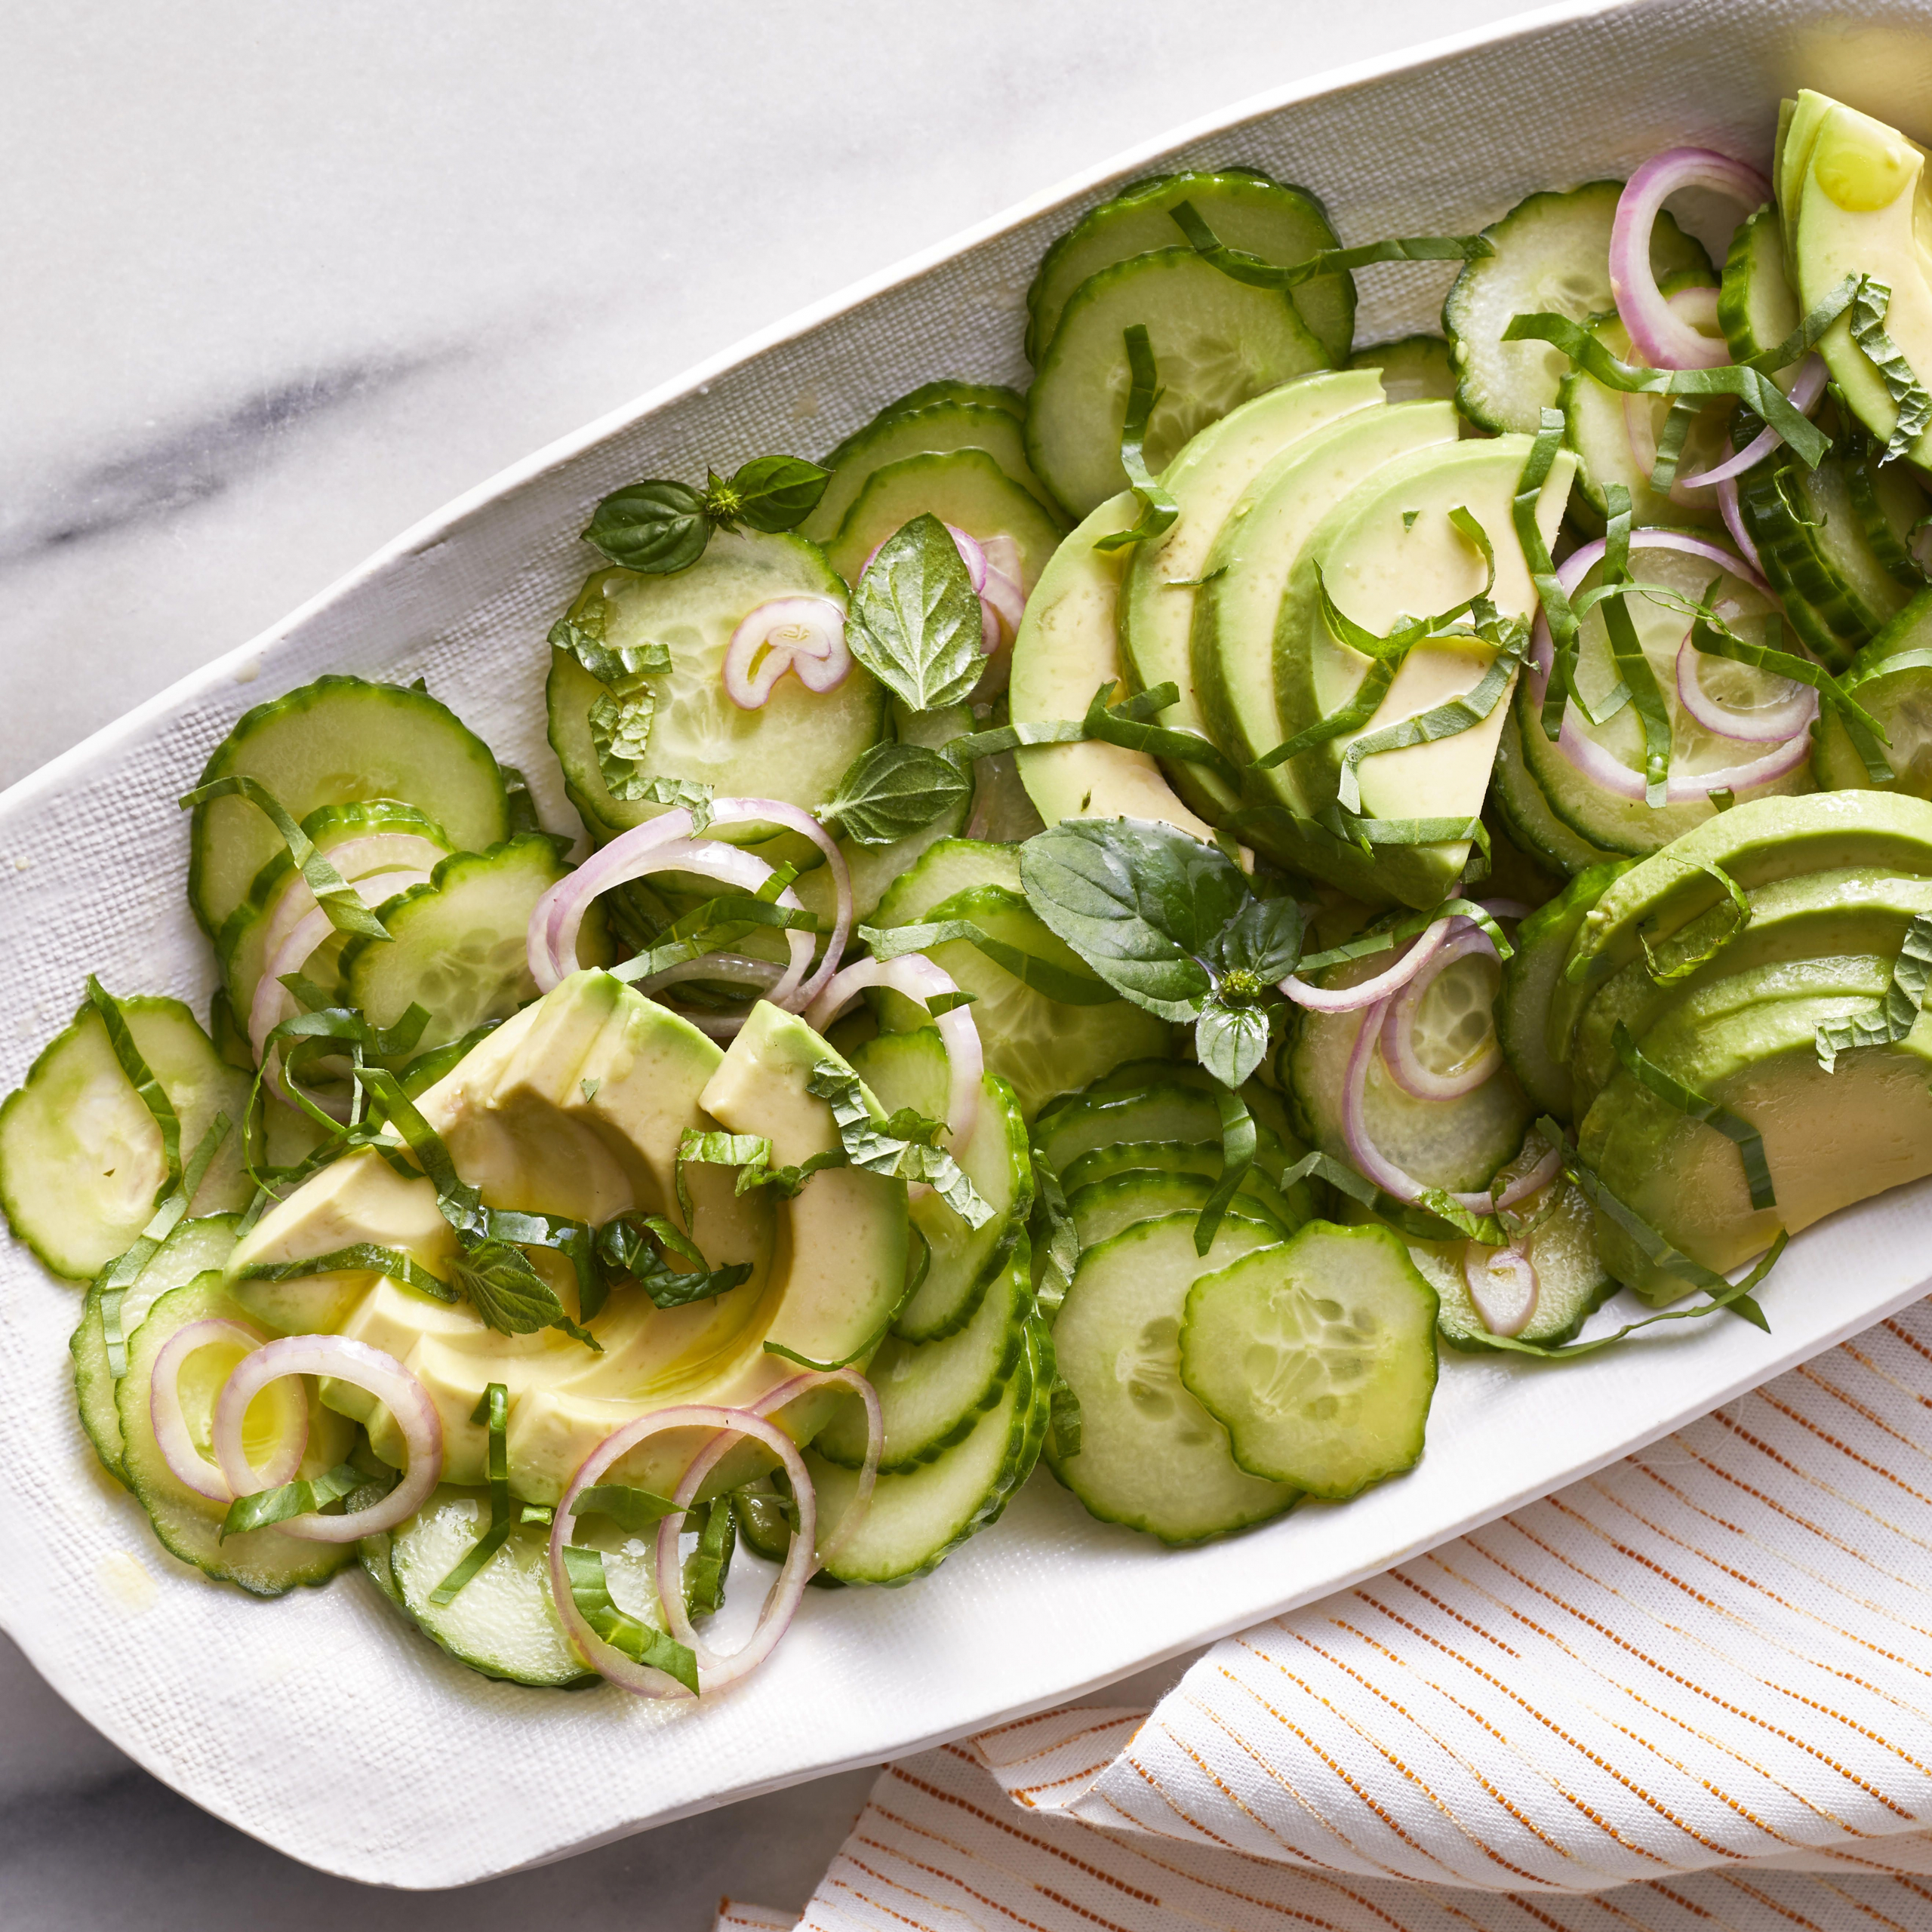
x=318 y=1725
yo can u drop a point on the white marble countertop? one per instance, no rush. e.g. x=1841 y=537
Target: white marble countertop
x=280 y=280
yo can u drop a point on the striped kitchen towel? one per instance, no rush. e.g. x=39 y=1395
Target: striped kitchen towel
x=1694 y=1689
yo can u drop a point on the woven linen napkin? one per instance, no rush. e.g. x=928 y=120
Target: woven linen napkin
x=1693 y=1689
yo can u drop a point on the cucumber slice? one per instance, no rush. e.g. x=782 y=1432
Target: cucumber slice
x=1217 y=342
x=965 y=487
x=1169 y=1110
x=1127 y=1196
x=1552 y=253
x=1158 y=592
x=1457 y=1144
x=264 y=919
x=1317 y=1356
x=1198 y=1160
x=936 y=430
x=1625 y=825
x=1757 y=308
x=949 y=388
x=953 y=864
x=918 y=1516
x=1901 y=701
x=1890 y=504
x=1597 y=426
x=265 y=1562
x=933 y=1394
x=1414 y=368
x=909 y=1070
x=1527 y=814
x=1248 y=211
x=1150 y=1455
x=337 y=740
x=503 y=1621
x=80 y=1158
x=459 y=945
x=193 y=1249
x=1530 y=976
x=794 y=749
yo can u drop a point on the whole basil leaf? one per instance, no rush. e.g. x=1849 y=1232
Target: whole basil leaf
x=1140 y=902
x=775 y=492
x=1230 y=1041
x=653 y=526
x=1264 y=938
x=891 y=791
x=915 y=621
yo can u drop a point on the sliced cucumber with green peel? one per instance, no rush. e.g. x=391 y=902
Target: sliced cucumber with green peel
x=1150 y=1455
x=1102 y=1209
x=965 y=487
x=1170 y=1111
x=935 y=430
x=909 y=1070
x=1246 y=210
x=193 y=1249
x=458 y=946
x=1530 y=975
x=953 y=864
x=1757 y=308
x=918 y=1516
x=1215 y=342
x=80 y=1158
x=949 y=388
x=1414 y=368
x=1199 y=1160
x=1526 y=812
x=1552 y=253
x=1890 y=503
x=265 y=1562
x=1901 y=701
x=932 y=1394
x=796 y=748
x=1159 y=591
x=337 y=740
x=1317 y=1356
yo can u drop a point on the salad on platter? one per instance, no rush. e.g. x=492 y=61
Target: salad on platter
x=1123 y=927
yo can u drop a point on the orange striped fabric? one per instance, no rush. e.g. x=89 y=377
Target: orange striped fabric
x=1693 y=1689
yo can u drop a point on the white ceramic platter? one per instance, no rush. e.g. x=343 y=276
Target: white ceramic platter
x=319 y=1724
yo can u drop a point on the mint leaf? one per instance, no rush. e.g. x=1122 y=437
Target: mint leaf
x=891 y=791
x=1914 y=406
x=900 y=1147
x=620 y=735
x=915 y=623
x=620 y=668
x=652 y=527
x=148 y=1089
x=1896 y=1013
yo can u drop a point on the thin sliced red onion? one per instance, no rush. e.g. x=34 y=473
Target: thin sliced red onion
x=355 y=859
x=806 y=635
x=1663 y=337
x=361 y=1366
x=1729 y=508
x=775 y=1399
x=1767 y=725
x=1417 y=1079
x=918 y=979
x=171 y=1425
x=1004 y=599
x=558 y=917
x=1503 y=1284
x=779 y=1605
x=1805 y=391
x=1366 y=992
x=1003 y=558
x=1696 y=305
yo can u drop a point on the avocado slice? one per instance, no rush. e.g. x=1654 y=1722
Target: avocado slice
x=1831 y=1139
x=1752 y=843
x=1066 y=649
x=1817 y=916
x=1861 y=207
x=1388 y=549
x=1158 y=597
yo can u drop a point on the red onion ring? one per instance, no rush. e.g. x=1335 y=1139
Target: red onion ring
x=355 y=859
x=1734 y=522
x=806 y=635
x=171 y=1425
x=918 y=979
x=1420 y=1082
x=1772 y=725
x=779 y=1605
x=1005 y=602
x=775 y=1399
x=1664 y=338
x=1503 y=1284
x=1366 y=992
x=1805 y=391
x=380 y=1375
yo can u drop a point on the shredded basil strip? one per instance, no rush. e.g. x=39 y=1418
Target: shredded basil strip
x=1565 y=634
x=642 y=1643
x=707 y=1567
x=1869 y=305
x=1237 y=1143
x=1684 y=412
x=1896 y=1013
x=392 y=1262
x=301 y=1498
x=903 y=1147
x=1435 y=1216
x=1238 y=265
x=1694 y=1105
x=333 y=893
x=1158 y=507
x=1388 y=937
x=1627 y=651
x=1054 y=1237
x=712 y=926
x=636 y=1510
x=493 y=1411
x=1665 y=971
x=148 y=1089
x=1056 y=982
x=622 y=1246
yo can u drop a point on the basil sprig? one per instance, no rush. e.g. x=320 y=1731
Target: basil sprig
x=658 y=527
x=1158 y=507
x=1694 y=1105
x=914 y=620
x=1897 y=1012
x=493 y=1411
x=1909 y=399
